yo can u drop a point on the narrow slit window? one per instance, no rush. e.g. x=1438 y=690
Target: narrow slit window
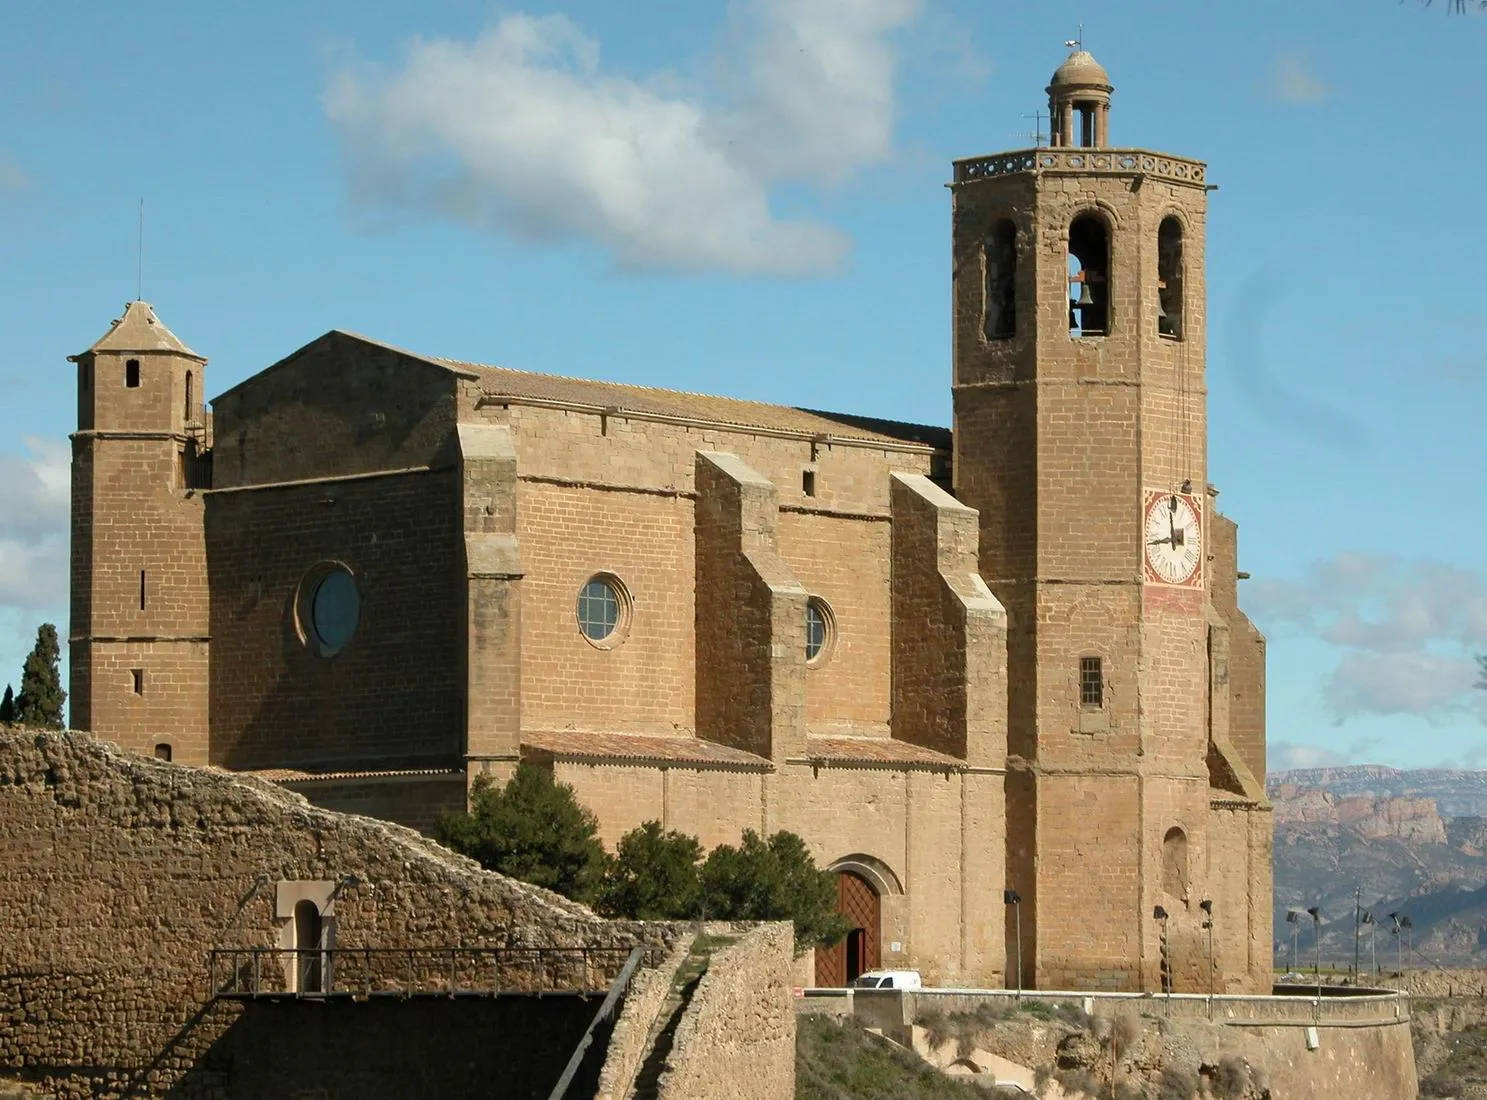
x=141 y=589
x=999 y=254
x=1091 y=682
x=1169 y=278
x=808 y=483
x=137 y=680
x=190 y=396
x=86 y=371
x=131 y=374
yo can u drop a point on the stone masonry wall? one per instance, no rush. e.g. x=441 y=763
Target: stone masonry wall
x=118 y=874
x=737 y=1037
x=629 y=1042
x=394 y=695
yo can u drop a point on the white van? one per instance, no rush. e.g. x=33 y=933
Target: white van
x=889 y=979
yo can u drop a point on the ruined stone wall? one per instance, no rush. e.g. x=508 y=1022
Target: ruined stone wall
x=630 y=1040
x=391 y=697
x=118 y=874
x=737 y=1036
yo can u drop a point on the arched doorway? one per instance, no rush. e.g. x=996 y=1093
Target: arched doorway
x=858 y=901
x=308 y=932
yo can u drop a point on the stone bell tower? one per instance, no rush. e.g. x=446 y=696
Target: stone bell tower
x=1080 y=437
x=140 y=455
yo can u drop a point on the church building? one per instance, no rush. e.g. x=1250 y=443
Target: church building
x=996 y=675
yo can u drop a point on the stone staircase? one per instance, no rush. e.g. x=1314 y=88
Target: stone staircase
x=663 y=1032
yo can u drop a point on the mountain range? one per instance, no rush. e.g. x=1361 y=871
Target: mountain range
x=1408 y=843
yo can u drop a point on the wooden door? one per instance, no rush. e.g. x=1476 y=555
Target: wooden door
x=859 y=951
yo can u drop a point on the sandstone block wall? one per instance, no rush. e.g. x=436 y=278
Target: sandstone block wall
x=737 y=1037
x=118 y=874
x=391 y=697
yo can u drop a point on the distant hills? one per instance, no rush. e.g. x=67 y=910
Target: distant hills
x=1414 y=842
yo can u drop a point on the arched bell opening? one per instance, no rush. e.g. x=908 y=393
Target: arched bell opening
x=1169 y=278
x=999 y=256
x=1089 y=276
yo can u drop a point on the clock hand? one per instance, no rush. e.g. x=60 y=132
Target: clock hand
x=1161 y=542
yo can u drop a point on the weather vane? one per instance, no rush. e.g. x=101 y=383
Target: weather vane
x=1076 y=43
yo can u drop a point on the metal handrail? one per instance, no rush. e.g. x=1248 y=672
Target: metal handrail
x=606 y=1012
x=407 y=971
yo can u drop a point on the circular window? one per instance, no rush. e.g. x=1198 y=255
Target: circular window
x=820 y=631
x=329 y=608
x=603 y=610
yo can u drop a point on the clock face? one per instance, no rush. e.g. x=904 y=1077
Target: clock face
x=1174 y=538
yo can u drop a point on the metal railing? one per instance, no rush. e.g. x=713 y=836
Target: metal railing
x=361 y=972
x=603 y=1021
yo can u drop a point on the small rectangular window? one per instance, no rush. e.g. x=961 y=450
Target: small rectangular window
x=138 y=676
x=808 y=482
x=1091 y=682
x=131 y=374
x=163 y=752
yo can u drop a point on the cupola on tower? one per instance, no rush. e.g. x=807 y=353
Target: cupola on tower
x=1080 y=437
x=140 y=456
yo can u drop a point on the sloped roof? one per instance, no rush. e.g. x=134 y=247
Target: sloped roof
x=882 y=751
x=730 y=411
x=140 y=330
x=637 y=747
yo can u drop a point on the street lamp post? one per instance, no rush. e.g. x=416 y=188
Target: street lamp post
x=1012 y=898
x=1408 y=927
x=1316 y=922
x=1373 y=946
x=1357 y=927
x=1160 y=914
x=1207 y=906
x=1398 y=943
x=1293 y=918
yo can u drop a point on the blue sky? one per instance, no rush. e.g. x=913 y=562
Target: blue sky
x=444 y=176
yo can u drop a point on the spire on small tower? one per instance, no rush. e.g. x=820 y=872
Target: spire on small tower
x=140 y=330
x=1079 y=100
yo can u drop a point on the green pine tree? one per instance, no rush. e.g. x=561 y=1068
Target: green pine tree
x=41 y=698
x=653 y=876
x=7 y=707
x=533 y=829
x=774 y=879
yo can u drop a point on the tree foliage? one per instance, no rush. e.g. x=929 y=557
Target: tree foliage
x=40 y=700
x=7 y=707
x=774 y=879
x=653 y=876
x=532 y=829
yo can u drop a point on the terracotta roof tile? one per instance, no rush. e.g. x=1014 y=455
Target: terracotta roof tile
x=295 y=775
x=505 y=382
x=877 y=750
x=629 y=746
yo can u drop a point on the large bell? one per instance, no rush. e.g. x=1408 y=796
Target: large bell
x=1085 y=297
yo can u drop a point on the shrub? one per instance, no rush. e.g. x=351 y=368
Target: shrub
x=653 y=876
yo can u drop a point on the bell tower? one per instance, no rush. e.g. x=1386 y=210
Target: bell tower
x=140 y=456
x=1080 y=436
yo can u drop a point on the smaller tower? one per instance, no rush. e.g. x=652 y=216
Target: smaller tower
x=1079 y=103
x=139 y=634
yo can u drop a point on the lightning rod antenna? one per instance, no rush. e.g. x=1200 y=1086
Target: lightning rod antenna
x=139 y=256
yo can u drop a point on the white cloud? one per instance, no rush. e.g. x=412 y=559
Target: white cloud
x=1293 y=81
x=1408 y=631
x=523 y=131
x=1282 y=756
x=35 y=491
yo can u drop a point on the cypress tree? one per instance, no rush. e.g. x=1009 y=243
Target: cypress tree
x=7 y=707
x=41 y=698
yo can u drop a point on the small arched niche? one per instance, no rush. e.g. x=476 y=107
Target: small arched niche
x=1169 y=278
x=1175 y=863
x=1089 y=276
x=999 y=257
